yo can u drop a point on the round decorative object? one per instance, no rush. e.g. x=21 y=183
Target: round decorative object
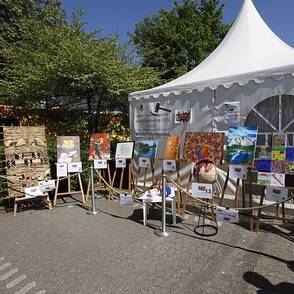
x=205 y=171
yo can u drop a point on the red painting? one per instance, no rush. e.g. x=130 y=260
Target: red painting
x=99 y=146
x=204 y=145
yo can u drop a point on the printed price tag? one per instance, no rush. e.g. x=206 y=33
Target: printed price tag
x=46 y=186
x=100 y=163
x=276 y=193
x=74 y=167
x=227 y=215
x=32 y=191
x=169 y=165
x=144 y=162
x=120 y=162
x=200 y=190
x=61 y=169
x=238 y=172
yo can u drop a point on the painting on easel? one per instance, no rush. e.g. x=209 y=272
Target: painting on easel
x=68 y=149
x=147 y=148
x=172 y=147
x=241 y=145
x=99 y=146
x=125 y=150
x=204 y=145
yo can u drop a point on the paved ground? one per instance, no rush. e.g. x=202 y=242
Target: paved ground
x=67 y=251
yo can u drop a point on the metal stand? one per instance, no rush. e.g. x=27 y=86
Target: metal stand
x=204 y=229
x=93 y=210
x=163 y=231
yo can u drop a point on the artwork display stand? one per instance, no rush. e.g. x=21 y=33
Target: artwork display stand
x=30 y=199
x=122 y=173
x=101 y=186
x=69 y=191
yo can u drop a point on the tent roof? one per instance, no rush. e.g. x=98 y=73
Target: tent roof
x=250 y=51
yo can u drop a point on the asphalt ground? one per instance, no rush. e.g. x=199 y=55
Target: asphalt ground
x=65 y=250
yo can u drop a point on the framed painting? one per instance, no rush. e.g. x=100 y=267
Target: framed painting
x=68 y=149
x=147 y=148
x=99 y=146
x=125 y=150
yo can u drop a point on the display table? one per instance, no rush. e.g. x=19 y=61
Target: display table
x=152 y=197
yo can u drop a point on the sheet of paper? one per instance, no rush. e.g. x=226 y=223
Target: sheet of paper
x=74 y=167
x=61 y=169
x=201 y=190
x=169 y=165
x=46 y=186
x=144 y=162
x=238 y=172
x=224 y=214
x=100 y=163
x=276 y=193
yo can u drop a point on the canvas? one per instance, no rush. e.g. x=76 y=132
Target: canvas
x=278 y=166
x=264 y=178
x=241 y=145
x=203 y=145
x=99 y=146
x=289 y=167
x=279 y=140
x=147 y=148
x=290 y=154
x=264 y=165
x=279 y=153
x=125 y=150
x=68 y=149
x=172 y=147
x=183 y=116
x=278 y=180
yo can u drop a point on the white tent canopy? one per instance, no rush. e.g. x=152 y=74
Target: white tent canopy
x=249 y=52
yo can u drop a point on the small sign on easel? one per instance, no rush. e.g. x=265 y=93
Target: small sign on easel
x=201 y=190
x=120 y=163
x=225 y=214
x=169 y=165
x=46 y=186
x=238 y=172
x=61 y=169
x=144 y=162
x=74 y=167
x=100 y=163
x=276 y=193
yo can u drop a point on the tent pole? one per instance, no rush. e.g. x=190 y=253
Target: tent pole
x=214 y=111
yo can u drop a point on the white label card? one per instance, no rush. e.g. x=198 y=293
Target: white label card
x=120 y=162
x=276 y=193
x=144 y=162
x=74 y=167
x=169 y=165
x=32 y=191
x=61 y=169
x=238 y=172
x=224 y=214
x=200 y=190
x=46 y=186
x=100 y=163
x=126 y=199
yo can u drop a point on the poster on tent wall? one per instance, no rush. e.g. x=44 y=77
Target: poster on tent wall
x=183 y=116
x=152 y=118
x=203 y=145
x=99 y=146
x=241 y=145
x=232 y=113
x=68 y=149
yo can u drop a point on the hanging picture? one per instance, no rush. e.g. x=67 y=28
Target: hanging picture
x=232 y=113
x=68 y=149
x=99 y=146
x=290 y=154
x=172 y=147
x=264 y=178
x=289 y=167
x=147 y=148
x=241 y=145
x=203 y=145
x=125 y=150
x=278 y=166
x=278 y=153
x=264 y=165
x=278 y=180
x=279 y=140
x=183 y=116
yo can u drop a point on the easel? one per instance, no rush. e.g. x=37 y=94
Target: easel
x=194 y=201
x=101 y=186
x=122 y=171
x=69 y=192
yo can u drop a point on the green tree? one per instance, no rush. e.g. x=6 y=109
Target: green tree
x=178 y=40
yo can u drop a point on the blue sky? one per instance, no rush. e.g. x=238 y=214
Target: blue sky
x=120 y=16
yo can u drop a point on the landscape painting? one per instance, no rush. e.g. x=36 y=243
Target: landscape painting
x=147 y=148
x=241 y=145
x=99 y=146
x=172 y=147
x=204 y=145
x=68 y=149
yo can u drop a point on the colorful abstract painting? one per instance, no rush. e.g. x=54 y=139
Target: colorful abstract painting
x=241 y=145
x=204 y=145
x=147 y=148
x=99 y=146
x=278 y=153
x=172 y=147
x=68 y=149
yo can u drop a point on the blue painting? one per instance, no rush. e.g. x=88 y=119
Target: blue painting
x=264 y=166
x=241 y=145
x=147 y=149
x=290 y=154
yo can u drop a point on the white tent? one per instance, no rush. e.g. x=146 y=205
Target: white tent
x=250 y=65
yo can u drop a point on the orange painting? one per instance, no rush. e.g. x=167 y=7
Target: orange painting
x=204 y=145
x=172 y=147
x=99 y=146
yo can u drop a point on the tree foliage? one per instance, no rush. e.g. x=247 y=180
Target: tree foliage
x=178 y=40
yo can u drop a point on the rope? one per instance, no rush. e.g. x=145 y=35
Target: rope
x=238 y=208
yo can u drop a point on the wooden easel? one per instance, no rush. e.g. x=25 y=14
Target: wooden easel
x=122 y=172
x=69 y=191
x=186 y=200
x=100 y=185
